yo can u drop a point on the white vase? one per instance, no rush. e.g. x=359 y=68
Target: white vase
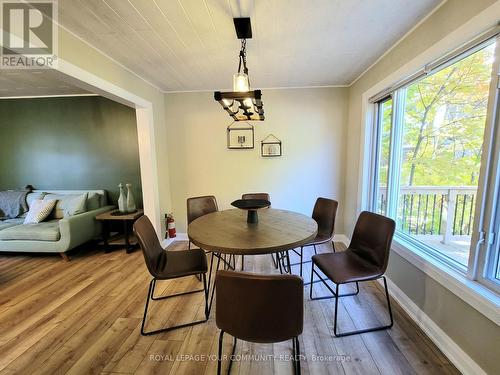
x=130 y=199
x=122 y=203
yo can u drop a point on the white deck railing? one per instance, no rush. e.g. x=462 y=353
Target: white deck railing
x=441 y=211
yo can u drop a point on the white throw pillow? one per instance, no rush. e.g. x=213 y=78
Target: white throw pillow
x=39 y=211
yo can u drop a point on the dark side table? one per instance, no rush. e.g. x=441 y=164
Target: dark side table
x=127 y=220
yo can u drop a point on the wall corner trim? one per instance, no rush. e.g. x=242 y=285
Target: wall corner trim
x=462 y=361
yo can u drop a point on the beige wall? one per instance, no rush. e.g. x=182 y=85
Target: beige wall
x=309 y=122
x=475 y=334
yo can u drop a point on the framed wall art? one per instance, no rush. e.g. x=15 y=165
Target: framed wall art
x=240 y=136
x=270 y=146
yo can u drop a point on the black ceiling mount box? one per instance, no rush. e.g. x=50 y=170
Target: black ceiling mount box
x=243 y=27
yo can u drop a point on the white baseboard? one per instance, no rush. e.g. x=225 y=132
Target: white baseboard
x=341 y=238
x=179 y=237
x=450 y=349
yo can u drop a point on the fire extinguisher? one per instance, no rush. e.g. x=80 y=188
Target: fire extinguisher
x=170 y=225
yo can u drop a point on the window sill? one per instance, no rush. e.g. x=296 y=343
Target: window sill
x=472 y=292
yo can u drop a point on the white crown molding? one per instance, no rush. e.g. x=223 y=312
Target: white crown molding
x=260 y=88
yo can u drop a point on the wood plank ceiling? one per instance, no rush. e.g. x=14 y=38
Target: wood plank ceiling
x=182 y=45
x=40 y=82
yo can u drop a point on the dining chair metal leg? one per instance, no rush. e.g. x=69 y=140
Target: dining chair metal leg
x=205 y=286
x=215 y=280
x=311 y=283
x=278 y=258
x=219 y=357
x=312 y=277
x=210 y=270
x=243 y=263
x=284 y=262
x=288 y=262
x=275 y=262
x=300 y=254
x=301 y=260
x=232 y=262
x=334 y=294
x=379 y=328
x=152 y=285
x=172 y=295
x=226 y=260
x=296 y=356
x=219 y=258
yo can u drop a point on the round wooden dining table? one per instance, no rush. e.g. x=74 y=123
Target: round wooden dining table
x=227 y=232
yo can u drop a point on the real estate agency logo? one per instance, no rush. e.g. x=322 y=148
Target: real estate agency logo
x=29 y=34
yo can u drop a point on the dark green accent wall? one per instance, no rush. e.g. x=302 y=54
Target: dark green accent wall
x=69 y=143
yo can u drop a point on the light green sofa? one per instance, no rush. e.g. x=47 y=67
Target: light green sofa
x=55 y=235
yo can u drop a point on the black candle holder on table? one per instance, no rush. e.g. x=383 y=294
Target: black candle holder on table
x=251 y=206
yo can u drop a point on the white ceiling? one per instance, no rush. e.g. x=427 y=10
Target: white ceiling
x=181 y=45
x=43 y=82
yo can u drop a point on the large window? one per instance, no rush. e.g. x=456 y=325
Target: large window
x=430 y=163
x=385 y=121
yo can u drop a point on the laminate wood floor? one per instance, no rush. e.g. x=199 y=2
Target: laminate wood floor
x=84 y=316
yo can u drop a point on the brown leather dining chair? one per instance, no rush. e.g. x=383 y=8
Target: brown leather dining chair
x=199 y=206
x=266 y=197
x=365 y=259
x=324 y=213
x=261 y=309
x=166 y=265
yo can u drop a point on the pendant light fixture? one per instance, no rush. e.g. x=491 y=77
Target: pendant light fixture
x=242 y=104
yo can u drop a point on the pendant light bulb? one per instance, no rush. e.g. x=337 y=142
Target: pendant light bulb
x=241 y=82
x=248 y=103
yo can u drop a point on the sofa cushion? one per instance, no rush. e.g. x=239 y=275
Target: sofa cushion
x=45 y=231
x=68 y=204
x=93 y=201
x=39 y=211
x=10 y=223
